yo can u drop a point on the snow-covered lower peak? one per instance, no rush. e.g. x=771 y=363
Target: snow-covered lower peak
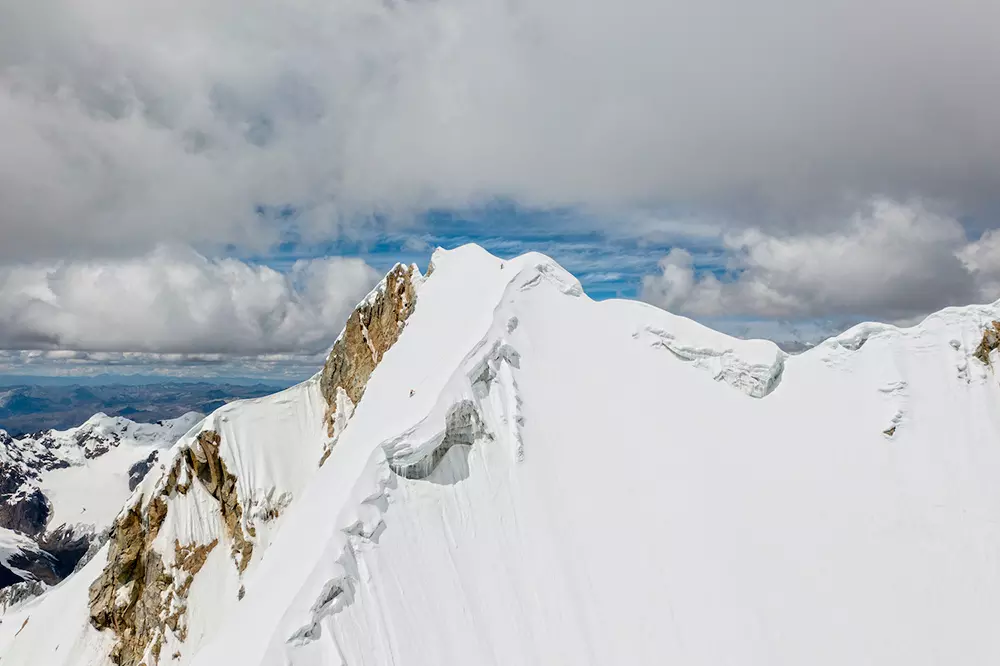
x=107 y=457
x=61 y=489
x=86 y=472
x=494 y=469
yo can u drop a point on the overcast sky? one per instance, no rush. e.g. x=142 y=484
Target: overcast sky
x=799 y=161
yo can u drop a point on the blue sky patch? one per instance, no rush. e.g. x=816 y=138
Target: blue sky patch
x=608 y=265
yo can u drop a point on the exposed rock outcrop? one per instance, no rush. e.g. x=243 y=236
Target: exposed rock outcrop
x=67 y=546
x=371 y=330
x=990 y=341
x=140 y=595
x=26 y=510
x=138 y=471
x=207 y=467
x=23 y=507
x=127 y=597
x=18 y=592
x=31 y=566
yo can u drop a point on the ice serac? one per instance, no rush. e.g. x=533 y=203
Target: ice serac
x=522 y=475
x=753 y=367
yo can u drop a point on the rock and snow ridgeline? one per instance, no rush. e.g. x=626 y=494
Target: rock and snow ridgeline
x=371 y=330
x=475 y=433
x=60 y=491
x=142 y=595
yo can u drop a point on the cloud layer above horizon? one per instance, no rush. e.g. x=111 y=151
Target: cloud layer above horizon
x=126 y=125
x=783 y=160
x=892 y=262
x=175 y=301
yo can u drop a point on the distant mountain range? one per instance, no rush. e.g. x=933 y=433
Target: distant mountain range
x=32 y=408
x=61 y=489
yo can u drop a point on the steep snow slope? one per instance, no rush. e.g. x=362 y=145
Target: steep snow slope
x=531 y=477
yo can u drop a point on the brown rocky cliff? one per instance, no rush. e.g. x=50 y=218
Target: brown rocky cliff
x=140 y=597
x=221 y=484
x=371 y=330
x=990 y=341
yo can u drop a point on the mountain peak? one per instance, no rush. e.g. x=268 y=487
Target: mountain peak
x=489 y=450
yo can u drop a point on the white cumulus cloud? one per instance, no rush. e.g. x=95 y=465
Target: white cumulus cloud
x=173 y=300
x=126 y=124
x=890 y=261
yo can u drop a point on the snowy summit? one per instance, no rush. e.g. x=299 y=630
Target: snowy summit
x=492 y=468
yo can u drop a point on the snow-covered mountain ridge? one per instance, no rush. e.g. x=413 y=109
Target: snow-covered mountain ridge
x=60 y=489
x=494 y=469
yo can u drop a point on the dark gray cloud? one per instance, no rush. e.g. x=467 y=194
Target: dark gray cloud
x=124 y=125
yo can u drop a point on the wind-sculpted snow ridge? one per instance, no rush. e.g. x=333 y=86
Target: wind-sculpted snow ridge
x=501 y=428
x=971 y=334
x=478 y=404
x=485 y=405
x=751 y=366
